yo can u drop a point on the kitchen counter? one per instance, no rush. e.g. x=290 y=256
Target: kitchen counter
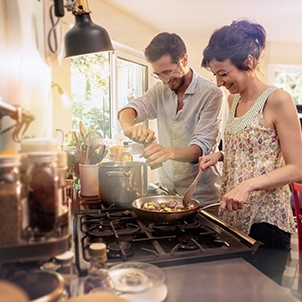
x=222 y=281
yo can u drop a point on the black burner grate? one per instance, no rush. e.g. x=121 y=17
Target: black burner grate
x=130 y=239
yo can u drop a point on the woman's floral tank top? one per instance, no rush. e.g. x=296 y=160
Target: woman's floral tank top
x=252 y=148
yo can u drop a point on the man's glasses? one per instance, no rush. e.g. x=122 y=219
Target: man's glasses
x=166 y=74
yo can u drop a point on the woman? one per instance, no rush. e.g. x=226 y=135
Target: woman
x=263 y=147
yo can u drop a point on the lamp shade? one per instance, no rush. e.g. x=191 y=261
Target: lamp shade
x=86 y=37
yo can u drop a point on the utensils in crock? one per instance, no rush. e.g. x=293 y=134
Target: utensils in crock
x=77 y=140
x=188 y=195
x=85 y=154
x=82 y=131
x=93 y=139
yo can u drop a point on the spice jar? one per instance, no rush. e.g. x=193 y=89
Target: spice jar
x=126 y=155
x=11 y=194
x=42 y=195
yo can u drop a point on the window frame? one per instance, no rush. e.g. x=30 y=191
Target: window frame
x=132 y=55
x=272 y=68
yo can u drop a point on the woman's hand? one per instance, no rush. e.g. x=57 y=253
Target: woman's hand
x=209 y=160
x=234 y=200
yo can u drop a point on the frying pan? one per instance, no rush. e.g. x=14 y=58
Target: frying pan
x=155 y=216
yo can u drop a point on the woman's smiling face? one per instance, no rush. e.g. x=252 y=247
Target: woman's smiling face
x=228 y=75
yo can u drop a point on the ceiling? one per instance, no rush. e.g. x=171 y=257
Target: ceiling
x=282 y=19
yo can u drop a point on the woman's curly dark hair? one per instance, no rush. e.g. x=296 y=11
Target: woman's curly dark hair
x=236 y=42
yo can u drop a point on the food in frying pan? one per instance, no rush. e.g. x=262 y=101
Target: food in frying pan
x=171 y=206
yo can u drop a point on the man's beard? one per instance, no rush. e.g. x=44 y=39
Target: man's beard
x=181 y=82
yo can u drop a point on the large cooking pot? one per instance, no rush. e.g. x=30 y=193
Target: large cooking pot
x=122 y=182
x=164 y=216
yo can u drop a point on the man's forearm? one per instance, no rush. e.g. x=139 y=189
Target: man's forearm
x=185 y=154
x=127 y=117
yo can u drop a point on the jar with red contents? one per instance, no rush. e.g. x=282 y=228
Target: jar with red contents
x=43 y=188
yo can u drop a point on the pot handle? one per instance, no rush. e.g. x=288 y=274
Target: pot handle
x=117 y=174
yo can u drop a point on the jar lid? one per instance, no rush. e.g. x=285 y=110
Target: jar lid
x=97 y=250
x=65 y=257
x=42 y=157
x=10 y=160
x=39 y=144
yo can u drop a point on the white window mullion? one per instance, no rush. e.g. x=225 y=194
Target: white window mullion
x=113 y=94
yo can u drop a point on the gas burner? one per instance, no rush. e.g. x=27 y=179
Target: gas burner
x=187 y=242
x=206 y=231
x=189 y=225
x=107 y=224
x=162 y=227
x=112 y=228
x=120 y=249
x=106 y=214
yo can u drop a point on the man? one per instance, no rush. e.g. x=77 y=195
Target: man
x=188 y=109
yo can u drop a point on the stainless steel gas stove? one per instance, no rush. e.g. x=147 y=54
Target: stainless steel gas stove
x=202 y=238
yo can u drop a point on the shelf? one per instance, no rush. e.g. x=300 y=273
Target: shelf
x=31 y=251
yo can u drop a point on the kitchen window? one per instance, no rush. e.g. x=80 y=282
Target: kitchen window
x=103 y=83
x=289 y=78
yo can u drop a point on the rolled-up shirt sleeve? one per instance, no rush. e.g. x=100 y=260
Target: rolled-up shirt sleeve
x=146 y=105
x=207 y=130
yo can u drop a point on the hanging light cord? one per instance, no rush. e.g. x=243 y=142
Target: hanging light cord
x=52 y=31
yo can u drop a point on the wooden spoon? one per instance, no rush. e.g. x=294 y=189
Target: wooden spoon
x=190 y=191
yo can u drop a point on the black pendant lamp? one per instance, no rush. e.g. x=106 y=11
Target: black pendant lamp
x=85 y=37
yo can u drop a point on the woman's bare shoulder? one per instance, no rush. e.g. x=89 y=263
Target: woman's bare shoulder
x=280 y=96
x=280 y=103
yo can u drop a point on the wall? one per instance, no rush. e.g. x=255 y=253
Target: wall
x=24 y=75
x=284 y=53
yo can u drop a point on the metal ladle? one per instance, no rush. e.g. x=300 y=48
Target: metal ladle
x=188 y=195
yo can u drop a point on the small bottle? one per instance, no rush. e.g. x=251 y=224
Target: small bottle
x=69 y=271
x=98 y=278
x=126 y=155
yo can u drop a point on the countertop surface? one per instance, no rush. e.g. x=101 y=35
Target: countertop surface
x=224 y=280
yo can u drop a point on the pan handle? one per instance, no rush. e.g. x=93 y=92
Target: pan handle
x=210 y=205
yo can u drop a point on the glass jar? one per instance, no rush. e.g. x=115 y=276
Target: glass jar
x=42 y=195
x=11 y=195
x=126 y=155
x=69 y=271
